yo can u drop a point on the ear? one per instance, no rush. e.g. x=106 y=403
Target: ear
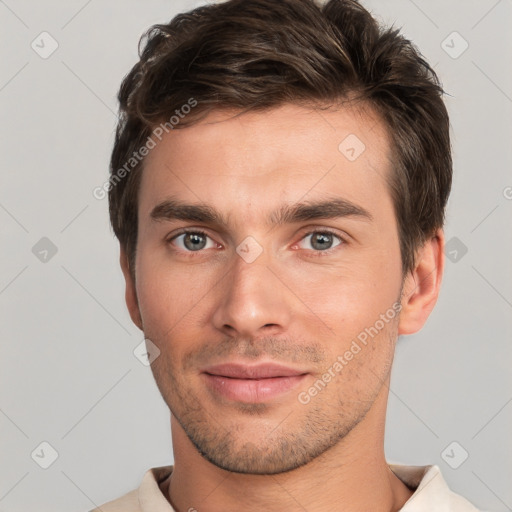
x=130 y=291
x=422 y=285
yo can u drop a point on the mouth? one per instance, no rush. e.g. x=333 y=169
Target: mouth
x=252 y=383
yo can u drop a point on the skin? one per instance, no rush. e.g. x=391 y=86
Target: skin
x=295 y=304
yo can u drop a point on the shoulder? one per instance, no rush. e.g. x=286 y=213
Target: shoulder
x=147 y=497
x=431 y=492
x=127 y=503
x=460 y=504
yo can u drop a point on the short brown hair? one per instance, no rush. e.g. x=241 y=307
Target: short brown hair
x=260 y=54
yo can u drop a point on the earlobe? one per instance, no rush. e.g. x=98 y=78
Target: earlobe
x=130 y=291
x=422 y=285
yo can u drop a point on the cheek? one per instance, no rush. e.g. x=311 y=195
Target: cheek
x=356 y=303
x=167 y=295
x=347 y=298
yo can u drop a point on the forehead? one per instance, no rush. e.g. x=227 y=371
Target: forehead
x=284 y=154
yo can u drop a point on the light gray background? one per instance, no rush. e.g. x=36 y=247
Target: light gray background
x=68 y=373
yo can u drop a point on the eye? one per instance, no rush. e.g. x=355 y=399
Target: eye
x=193 y=241
x=321 y=241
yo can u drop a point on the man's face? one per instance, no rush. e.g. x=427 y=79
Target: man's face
x=298 y=293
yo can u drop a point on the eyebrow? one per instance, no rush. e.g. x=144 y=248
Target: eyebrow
x=174 y=209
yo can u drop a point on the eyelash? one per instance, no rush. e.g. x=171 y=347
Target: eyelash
x=343 y=241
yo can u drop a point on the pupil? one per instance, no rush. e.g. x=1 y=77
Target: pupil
x=194 y=241
x=321 y=241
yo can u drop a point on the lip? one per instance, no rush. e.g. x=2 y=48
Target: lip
x=252 y=383
x=255 y=371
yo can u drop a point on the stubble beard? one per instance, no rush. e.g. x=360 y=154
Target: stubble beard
x=304 y=433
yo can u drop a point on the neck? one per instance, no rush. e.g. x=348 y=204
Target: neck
x=353 y=475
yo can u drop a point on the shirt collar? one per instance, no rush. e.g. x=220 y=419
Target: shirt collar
x=151 y=497
x=431 y=491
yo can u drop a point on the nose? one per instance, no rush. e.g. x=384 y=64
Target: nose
x=253 y=301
